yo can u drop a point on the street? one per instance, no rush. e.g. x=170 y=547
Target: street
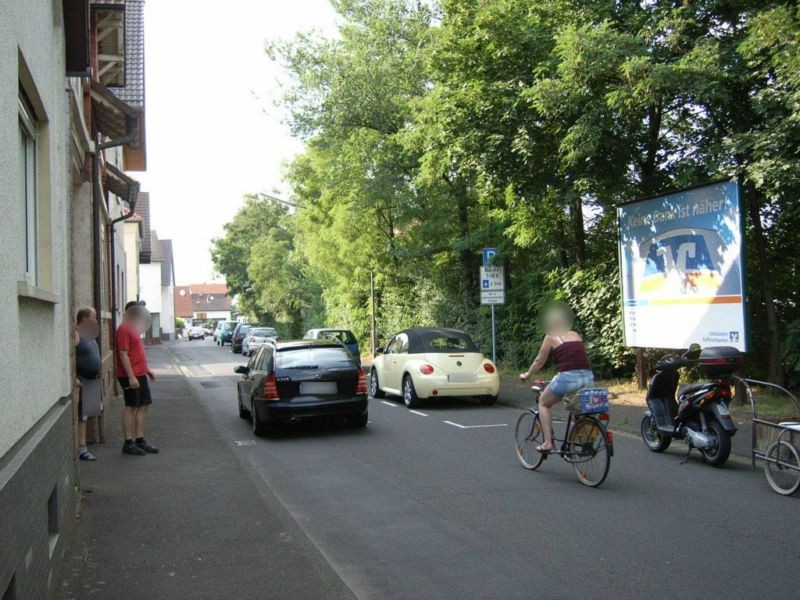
x=433 y=504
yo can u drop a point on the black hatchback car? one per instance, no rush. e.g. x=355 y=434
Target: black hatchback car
x=290 y=380
x=238 y=336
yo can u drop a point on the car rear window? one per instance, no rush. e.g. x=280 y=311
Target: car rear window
x=230 y=326
x=263 y=332
x=319 y=358
x=343 y=335
x=450 y=344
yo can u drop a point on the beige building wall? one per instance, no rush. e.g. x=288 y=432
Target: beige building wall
x=37 y=317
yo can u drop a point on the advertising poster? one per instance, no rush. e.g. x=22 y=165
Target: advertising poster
x=681 y=269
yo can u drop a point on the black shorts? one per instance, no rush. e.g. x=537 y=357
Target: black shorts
x=136 y=397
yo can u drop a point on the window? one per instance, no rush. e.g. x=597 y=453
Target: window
x=28 y=192
x=52 y=520
x=342 y=335
x=264 y=332
x=313 y=358
x=394 y=345
x=255 y=359
x=264 y=358
x=451 y=344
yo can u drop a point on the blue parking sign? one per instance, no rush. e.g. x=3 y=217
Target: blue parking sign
x=488 y=256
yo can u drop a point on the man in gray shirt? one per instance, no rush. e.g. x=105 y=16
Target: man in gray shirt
x=87 y=367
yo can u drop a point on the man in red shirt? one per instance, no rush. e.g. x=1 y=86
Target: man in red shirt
x=133 y=373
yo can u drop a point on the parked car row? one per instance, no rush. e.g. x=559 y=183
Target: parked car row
x=321 y=376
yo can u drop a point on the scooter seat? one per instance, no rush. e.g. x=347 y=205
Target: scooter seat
x=692 y=387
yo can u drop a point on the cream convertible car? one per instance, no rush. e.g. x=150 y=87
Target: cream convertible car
x=424 y=362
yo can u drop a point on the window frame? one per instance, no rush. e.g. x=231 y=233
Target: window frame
x=29 y=187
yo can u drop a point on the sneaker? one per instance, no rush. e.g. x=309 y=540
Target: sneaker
x=143 y=445
x=133 y=449
x=87 y=456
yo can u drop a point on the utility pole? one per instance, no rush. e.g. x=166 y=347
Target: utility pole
x=373 y=328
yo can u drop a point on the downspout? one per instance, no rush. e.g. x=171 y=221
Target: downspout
x=132 y=205
x=132 y=126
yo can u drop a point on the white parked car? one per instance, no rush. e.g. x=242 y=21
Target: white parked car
x=426 y=362
x=196 y=333
x=256 y=338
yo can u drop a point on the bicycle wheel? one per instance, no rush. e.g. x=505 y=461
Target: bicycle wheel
x=782 y=468
x=528 y=434
x=588 y=450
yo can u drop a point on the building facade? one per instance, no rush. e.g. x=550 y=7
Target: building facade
x=37 y=474
x=202 y=302
x=71 y=124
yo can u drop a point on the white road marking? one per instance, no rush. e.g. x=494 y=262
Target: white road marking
x=388 y=404
x=475 y=426
x=417 y=412
x=185 y=371
x=245 y=442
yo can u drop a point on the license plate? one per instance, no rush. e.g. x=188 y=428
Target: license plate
x=314 y=388
x=723 y=410
x=462 y=378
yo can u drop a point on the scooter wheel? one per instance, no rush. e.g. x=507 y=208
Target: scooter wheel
x=718 y=455
x=652 y=436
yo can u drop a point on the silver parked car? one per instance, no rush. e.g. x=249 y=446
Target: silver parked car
x=256 y=338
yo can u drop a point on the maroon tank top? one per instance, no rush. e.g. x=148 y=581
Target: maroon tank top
x=571 y=356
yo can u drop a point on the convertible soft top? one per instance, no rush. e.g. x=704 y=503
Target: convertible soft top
x=422 y=340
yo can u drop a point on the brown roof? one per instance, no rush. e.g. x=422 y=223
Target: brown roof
x=209 y=288
x=211 y=297
x=210 y=302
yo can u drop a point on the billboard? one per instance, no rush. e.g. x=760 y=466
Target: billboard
x=681 y=269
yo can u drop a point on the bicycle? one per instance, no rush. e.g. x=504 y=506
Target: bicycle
x=587 y=443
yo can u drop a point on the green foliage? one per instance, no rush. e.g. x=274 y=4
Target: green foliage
x=432 y=130
x=179 y=323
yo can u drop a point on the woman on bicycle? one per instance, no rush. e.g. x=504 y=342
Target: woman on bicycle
x=571 y=360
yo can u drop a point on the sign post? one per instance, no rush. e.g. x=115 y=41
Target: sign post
x=493 y=290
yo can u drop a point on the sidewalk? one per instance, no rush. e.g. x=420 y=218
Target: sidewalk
x=190 y=522
x=623 y=417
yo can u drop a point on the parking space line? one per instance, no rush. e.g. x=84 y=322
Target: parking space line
x=389 y=403
x=417 y=412
x=475 y=426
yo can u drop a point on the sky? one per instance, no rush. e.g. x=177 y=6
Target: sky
x=213 y=132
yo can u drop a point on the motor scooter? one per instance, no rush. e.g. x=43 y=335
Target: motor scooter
x=699 y=417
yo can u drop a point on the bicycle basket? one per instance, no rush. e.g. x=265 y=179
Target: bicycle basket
x=589 y=401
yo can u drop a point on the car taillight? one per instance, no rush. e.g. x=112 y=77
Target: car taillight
x=361 y=388
x=488 y=367
x=426 y=369
x=269 y=388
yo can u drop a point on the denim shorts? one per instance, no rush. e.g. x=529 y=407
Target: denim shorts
x=571 y=381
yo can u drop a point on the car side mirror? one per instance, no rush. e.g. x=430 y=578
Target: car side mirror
x=241 y=370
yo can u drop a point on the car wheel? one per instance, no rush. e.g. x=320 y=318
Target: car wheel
x=374 y=387
x=410 y=398
x=260 y=428
x=244 y=353
x=488 y=400
x=358 y=421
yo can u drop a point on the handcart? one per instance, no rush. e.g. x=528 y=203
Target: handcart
x=776 y=442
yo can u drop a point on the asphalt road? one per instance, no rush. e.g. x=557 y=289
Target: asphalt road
x=415 y=506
